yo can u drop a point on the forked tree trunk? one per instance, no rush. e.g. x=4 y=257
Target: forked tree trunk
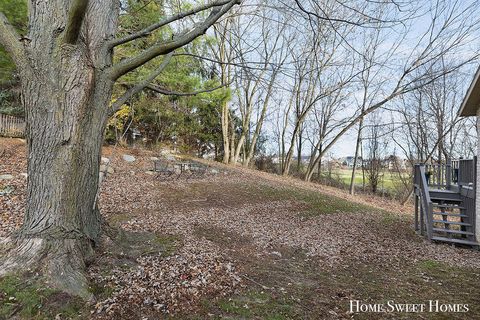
x=66 y=94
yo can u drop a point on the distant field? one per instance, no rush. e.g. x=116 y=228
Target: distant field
x=389 y=179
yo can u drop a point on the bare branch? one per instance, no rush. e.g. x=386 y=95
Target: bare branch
x=183 y=94
x=140 y=86
x=75 y=20
x=245 y=64
x=148 y=30
x=162 y=48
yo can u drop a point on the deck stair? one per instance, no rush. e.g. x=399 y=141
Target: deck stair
x=450 y=223
x=444 y=213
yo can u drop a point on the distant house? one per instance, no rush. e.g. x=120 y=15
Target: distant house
x=349 y=161
x=393 y=162
x=334 y=164
x=303 y=159
x=275 y=159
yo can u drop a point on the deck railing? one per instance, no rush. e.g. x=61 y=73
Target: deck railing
x=452 y=174
x=423 y=203
x=455 y=176
x=467 y=172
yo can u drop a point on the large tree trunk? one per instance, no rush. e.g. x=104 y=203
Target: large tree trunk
x=66 y=94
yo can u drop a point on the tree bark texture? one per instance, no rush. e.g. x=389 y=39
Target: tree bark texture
x=66 y=94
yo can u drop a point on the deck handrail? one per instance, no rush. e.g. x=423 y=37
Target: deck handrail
x=451 y=175
x=426 y=205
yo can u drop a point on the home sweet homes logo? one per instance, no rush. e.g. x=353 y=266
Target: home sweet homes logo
x=392 y=306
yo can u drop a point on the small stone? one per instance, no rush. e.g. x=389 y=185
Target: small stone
x=106 y=168
x=154 y=158
x=105 y=160
x=215 y=171
x=6 y=177
x=159 y=306
x=276 y=253
x=128 y=158
x=25 y=175
x=151 y=173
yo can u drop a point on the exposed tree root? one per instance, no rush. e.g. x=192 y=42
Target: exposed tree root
x=61 y=262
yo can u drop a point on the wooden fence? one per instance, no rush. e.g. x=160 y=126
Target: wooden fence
x=11 y=126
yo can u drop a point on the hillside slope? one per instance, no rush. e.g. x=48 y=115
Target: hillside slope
x=245 y=244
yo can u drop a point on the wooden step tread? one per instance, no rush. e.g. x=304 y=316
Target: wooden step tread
x=448 y=206
x=453 y=231
x=445 y=199
x=454 y=222
x=450 y=214
x=453 y=240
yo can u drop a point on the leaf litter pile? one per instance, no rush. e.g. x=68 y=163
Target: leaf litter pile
x=211 y=233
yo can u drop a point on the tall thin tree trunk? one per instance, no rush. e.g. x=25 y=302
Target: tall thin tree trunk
x=225 y=133
x=320 y=164
x=357 y=150
x=299 y=150
x=232 y=140
x=363 y=167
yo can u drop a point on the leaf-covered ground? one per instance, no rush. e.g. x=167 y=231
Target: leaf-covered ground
x=242 y=244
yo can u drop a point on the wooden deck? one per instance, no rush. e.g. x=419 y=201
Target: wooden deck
x=445 y=201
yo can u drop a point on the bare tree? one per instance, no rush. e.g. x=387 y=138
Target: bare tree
x=449 y=32
x=376 y=151
x=312 y=66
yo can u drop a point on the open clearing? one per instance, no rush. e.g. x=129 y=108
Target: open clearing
x=388 y=181
x=242 y=244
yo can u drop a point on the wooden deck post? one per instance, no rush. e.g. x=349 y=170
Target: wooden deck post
x=448 y=174
x=416 y=211
x=422 y=226
x=476 y=206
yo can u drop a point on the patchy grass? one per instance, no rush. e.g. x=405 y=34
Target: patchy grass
x=418 y=283
x=292 y=285
x=258 y=305
x=136 y=244
x=316 y=203
x=23 y=297
x=389 y=179
x=117 y=219
x=168 y=243
x=311 y=203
